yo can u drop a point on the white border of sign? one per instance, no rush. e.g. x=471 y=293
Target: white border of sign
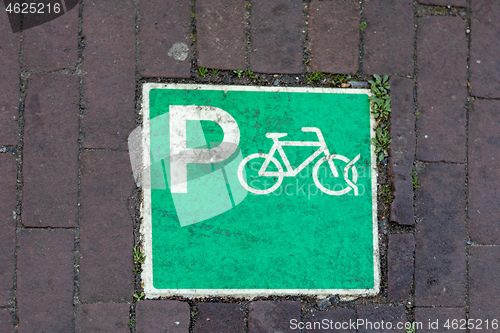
x=146 y=228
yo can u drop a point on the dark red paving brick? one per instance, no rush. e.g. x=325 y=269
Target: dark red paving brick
x=276 y=34
x=105 y=318
x=162 y=316
x=6 y=325
x=484 y=48
x=334 y=36
x=45 y=280
x=333 y=317
x=9 y=82
x=13 y=19
x=401 y=266
x=484 y=286
x=388 y=45
x=402 y=149
x=440 y=252
x=109 y=85
x=162 y=24
x=8 y=199
x=377 y=314
x=442 y=92
x=50 y=158
x=106 y=233
x=52 y=45
x=220 y=317
x=458 y=3
x=484 y=153
x=441 y=315
x=220 y=34
x=266 y=316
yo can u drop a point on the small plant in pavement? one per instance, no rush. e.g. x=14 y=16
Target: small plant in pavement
x=363 y=25
x=381 y=101
x=338 y=79
x=381 y=141
x=239 y=73
x=203 y=71
x=138 y=296
x=250 y=74
x=381 y=110
x=388 y=192
x=139 y=257
x=314 y=77
x=414 y=178
x=410 y=330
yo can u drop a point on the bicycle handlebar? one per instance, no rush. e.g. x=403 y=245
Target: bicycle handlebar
x=314 y=130
x=310 y=129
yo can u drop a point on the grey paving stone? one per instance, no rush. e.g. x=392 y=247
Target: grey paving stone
x=440 y=266
x=153 y=316
x=50 y=158
x=334 y=36
x=374 y=315
x=8 y=201
x=400 y=266
x=484 y=287
x=220 y=34
x=270 y=317
x=109 y=82
x=484 y=151
x=440 y=319
x=164 y=24
x=105 y=318
x=333 y=320
x=484 y=65
x=389 y=35
x=45 y=280
x=442 y=89
x=402 y=149
x=458 y=3
x=9 y=83
x=106 y=231
x=52 y=45
x=220 y=317
x=6 y=325
x=276 y=34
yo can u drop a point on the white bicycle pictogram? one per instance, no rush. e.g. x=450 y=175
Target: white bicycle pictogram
x=291 y=172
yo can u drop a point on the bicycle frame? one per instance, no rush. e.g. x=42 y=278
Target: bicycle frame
x=278 y=146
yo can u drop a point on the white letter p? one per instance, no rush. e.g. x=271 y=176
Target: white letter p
x=180 y=155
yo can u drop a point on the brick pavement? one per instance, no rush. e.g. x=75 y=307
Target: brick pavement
x=67 y=197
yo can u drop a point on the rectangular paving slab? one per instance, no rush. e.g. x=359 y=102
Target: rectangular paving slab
x=228 y=219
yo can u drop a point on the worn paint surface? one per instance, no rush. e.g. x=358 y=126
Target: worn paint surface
x=296 y=238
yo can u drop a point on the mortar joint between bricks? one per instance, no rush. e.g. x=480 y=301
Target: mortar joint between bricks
x=248 y=33
x=194 y=50
x=468 y=102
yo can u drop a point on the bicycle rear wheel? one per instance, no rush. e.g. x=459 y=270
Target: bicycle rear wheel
x=351 y=184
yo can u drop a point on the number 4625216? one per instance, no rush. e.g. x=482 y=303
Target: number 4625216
x=33 y=8
x=472 y=324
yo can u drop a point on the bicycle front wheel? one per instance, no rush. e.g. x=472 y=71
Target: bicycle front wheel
x=351 y=185
x=257 y=180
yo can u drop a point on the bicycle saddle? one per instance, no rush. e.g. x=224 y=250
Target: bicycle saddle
x=275 y=135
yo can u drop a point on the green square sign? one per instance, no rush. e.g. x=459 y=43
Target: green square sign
x=256 y=191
